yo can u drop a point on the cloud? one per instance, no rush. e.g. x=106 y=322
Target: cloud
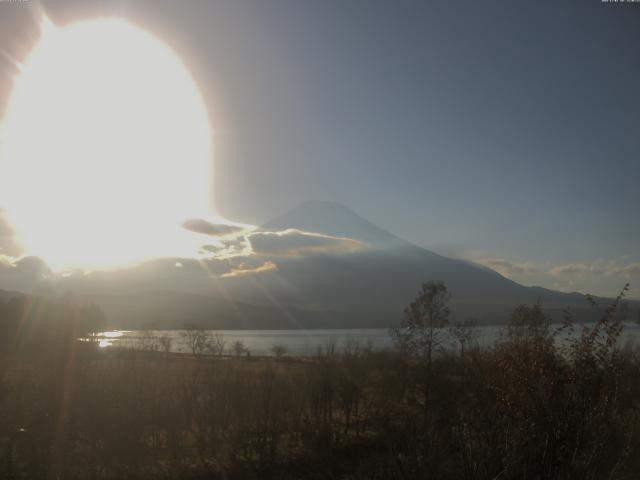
x=228 y=248
x=597 y=268
x=23 y=274
x=244 y=270
x=199 y=225
x=571 y=269
x=508 y=268
x=627 y=271
x=294 y=243
x=24 y=265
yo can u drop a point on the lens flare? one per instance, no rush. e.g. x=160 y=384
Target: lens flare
x=105 y=149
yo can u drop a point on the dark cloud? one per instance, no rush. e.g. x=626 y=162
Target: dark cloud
x=199 y=225
x=24 y=266
x=33 y=266
x=23 y=274
x=295 y=243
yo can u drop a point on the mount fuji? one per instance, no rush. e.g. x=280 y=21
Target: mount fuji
x=370 y=288
x=366 y=287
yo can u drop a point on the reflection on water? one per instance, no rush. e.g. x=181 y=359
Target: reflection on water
x=296 y=342
x=113 y=334
x=105 y=339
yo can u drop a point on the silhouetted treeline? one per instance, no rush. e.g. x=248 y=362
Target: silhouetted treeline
x=531 y=407
x=44 y=326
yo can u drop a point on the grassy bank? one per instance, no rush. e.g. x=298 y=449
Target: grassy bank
x=530 y=406
x=520 y=409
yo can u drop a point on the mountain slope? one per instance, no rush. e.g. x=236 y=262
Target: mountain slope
x=376 y=284
x=367 y=288
x=177 y=310
x=332 y=218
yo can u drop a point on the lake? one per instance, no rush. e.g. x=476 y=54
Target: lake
x=296 y=342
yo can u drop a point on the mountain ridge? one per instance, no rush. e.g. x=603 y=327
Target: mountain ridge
x=335 y=219
x=355 y=289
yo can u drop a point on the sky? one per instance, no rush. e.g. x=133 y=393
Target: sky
x=506 y=133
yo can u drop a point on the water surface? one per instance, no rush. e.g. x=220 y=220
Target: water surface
x=298 y=342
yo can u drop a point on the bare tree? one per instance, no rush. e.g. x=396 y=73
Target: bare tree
x=279 y=350
x=465 y=333
x=529 y=322
x=165 y=342
x=196 y=340
x=422 y=330
x=238 y=348
x=217 y=343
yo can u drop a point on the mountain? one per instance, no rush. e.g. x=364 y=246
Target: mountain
x=354 y=289
x=161 y=310
x=373 y=286
x=334 y=219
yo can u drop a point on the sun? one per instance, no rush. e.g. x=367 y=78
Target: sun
x=106 y=148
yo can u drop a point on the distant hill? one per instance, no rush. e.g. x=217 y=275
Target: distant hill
x=366 y=288
x=7 y=295
x=173 y=310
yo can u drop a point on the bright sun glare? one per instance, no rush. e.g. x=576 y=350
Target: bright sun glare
x=106 y=148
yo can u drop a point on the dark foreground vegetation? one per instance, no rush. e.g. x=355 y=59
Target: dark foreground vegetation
x=530 y=407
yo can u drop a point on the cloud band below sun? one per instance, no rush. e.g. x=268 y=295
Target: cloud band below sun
x=243 y=270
